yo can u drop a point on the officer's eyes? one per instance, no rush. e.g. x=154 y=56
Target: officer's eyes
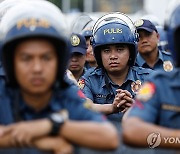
x=106 y=50
x=120 y=49
x=25 y=58
x=47 y=57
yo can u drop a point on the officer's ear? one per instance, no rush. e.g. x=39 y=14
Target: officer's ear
x=158 y=36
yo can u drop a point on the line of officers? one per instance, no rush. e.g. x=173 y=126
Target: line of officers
x=111 y=89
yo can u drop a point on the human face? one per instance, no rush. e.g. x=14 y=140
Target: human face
x=115 y=57
x=35 y=65
x=147 y=42
x=89 y=54
x=77 y=62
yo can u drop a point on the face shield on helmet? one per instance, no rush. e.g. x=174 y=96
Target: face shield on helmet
x=114 y=28
x=26 y=21
x=172 y=26
x=80 y=23
x=87 y=30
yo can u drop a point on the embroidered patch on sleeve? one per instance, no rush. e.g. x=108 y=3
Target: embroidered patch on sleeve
x=81 y=94
x=146 y=92
x=81 y=83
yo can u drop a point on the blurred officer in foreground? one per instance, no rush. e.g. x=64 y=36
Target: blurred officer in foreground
x=87 y=33
x=149 y=56
x=37 y=108
x=112 y=86
x=155 y=114
x=78 y=55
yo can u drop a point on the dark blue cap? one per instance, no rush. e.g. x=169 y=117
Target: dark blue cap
x=78 y=43
x=143 y=24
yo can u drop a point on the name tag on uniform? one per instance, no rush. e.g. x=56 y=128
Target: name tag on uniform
x=100 y=96
x=171 y=107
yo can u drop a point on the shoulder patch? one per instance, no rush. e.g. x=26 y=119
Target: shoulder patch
x=88 y=104
x=166 y=53
x=146 y=92
x=81 y=83
x=81 y=94
x=141 y=70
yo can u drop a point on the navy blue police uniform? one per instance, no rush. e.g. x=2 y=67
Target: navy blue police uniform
x=164 y=58
x=13 y=108
x=101 y=90
x=158 y=100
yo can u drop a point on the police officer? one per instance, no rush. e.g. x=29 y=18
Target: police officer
x=35 y=55
x=87 y=33
x=156 y=112
x=112 y=86
x=78 y=55
x=149 y=56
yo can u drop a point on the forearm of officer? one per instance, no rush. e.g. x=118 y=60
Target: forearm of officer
x=103 y=108
x=136 y=132
x=90 y=134
x=5 y=140
x=56 y=144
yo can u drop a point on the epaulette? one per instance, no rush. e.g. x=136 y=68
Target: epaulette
x=163 y=74
x=166 y=53
x=141 y=70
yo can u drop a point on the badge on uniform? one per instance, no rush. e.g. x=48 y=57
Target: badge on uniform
x=168 y=66
x=81 y=83
x=146 y=92
x=136 y=86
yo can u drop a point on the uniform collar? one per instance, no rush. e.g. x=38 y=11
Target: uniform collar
x=130 y=77
x=160 y=55
x=51 y=106
x=140 y=61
